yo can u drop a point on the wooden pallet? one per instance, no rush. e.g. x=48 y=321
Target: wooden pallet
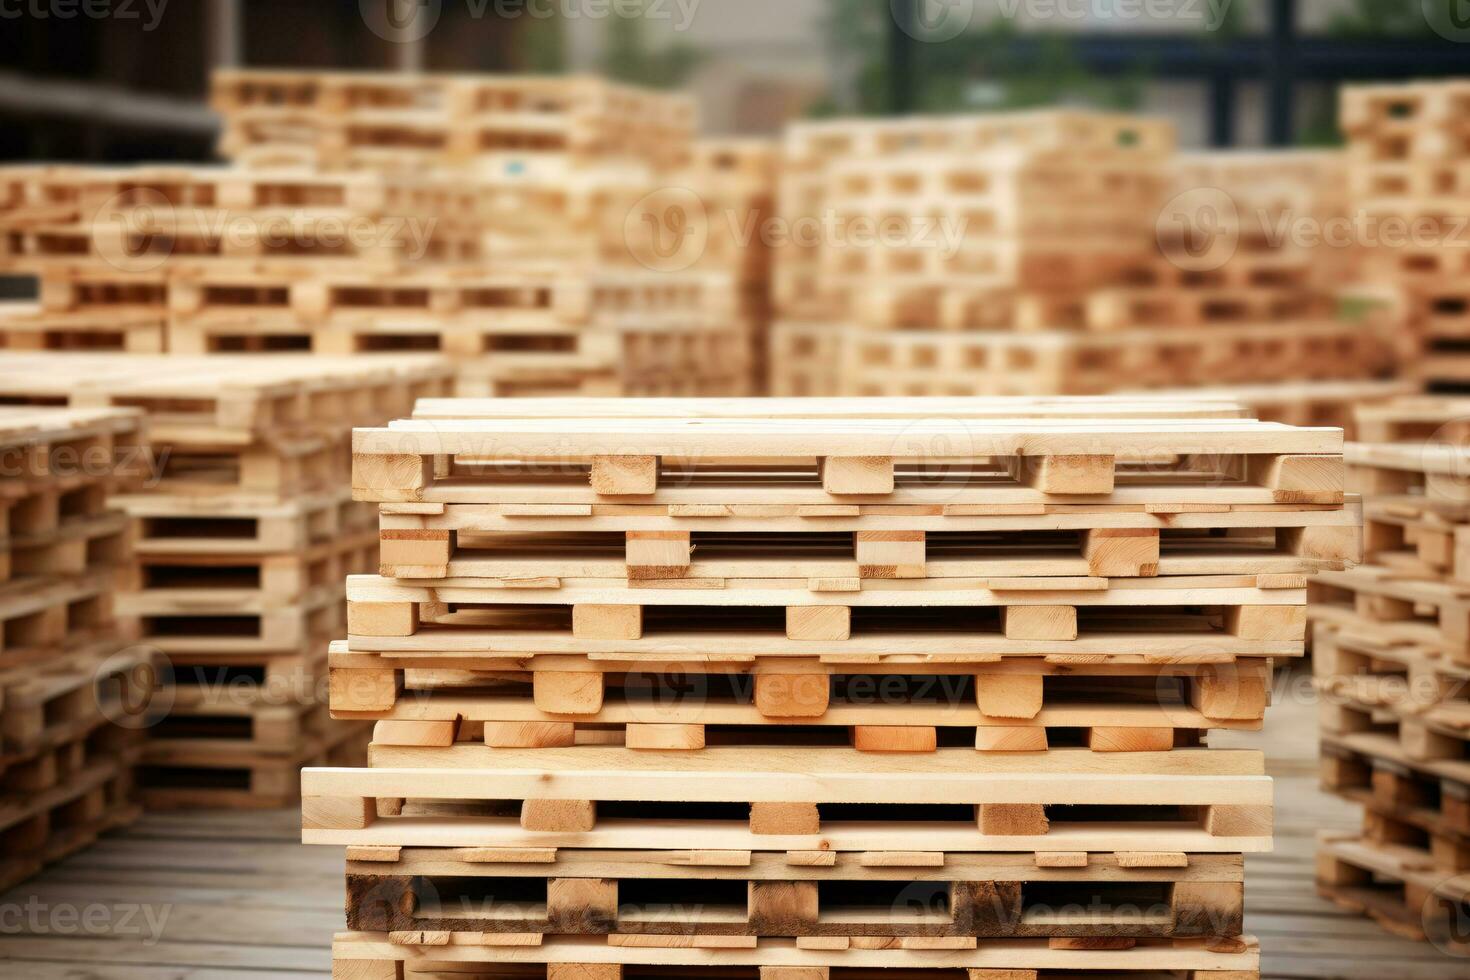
x=1375 y=771
x=391 y=956
x=388 y=608
x=201 y=720
x=838 y=359
x=239 y=624
x=41 y=828
x=1107 y=711
x=813 y=894
x=51 y=532
x=26 y=327
x=51 y=448
x=1398 y=886
x=37 y=615
x=175 y=525
x=229 y=401
x=67 y=696
x=385 y=121
x=1214 y=799
x=1386 y=607
x=189 y=777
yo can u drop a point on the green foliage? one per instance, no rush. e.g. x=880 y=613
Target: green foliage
x=543 y=46
x=1383 y=18
x=979 y=70
x=631 y=58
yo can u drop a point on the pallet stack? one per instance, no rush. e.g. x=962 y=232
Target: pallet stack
x=1391 y=654
x=69 y=678
x=1032 y=253
x=784 y=686
x=565 y=178
x=125 y=258
x=1408 y=158
x=244 y=534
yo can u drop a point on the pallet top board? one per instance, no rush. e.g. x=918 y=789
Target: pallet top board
x=1170 y=591
x=926 y=438
x=745 y=774
x=1431 y=458
x=1143 y=406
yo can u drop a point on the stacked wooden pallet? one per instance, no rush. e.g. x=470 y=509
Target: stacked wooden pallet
x=118 y=252
x=1408 y=159
x=1043 y=253
x=496 y=124
x=800 y=685
x=68 y=677
x=567 y=178
x=1391 y=648
x=244 y=534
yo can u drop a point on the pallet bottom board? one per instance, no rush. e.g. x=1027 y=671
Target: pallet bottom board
x=376 y=955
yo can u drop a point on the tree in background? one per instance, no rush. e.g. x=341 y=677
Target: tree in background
x=978 y=70
x=630 y=57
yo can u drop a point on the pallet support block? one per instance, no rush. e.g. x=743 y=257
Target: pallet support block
x=530 y=734
x=592 y=621
x=1010 y=738
x=894 y=738
x=1009 y=695
x=1238 y=820
x=367 y=970
x=1127 y=739
x=1121 y=552
x=657 y=554
x=782 y=908
x=784 y=819
x=1039 y=622
x=431 y=734
x=414 y=549
x=565 y=816
x=568 y=692
x=1084 y=474
x=890 y=554
x=584 y=971
x=857 y=474
x=663 y=736
x=382 y=618
x=781 y=695
x=624 y=476
x=1011 y=819
x=1232 y=692
x=578 y=905
x=337 y=813
x=818 y=622
x=364 y=689
x=1267 y=622
x=390 y=476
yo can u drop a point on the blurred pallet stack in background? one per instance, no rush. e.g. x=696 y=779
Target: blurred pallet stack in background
x=802 y=685
x=1053 y=252
x=1409 y=171
x=586 y=281
x=69 y=676
x=1391 y=655
x=244 y=530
